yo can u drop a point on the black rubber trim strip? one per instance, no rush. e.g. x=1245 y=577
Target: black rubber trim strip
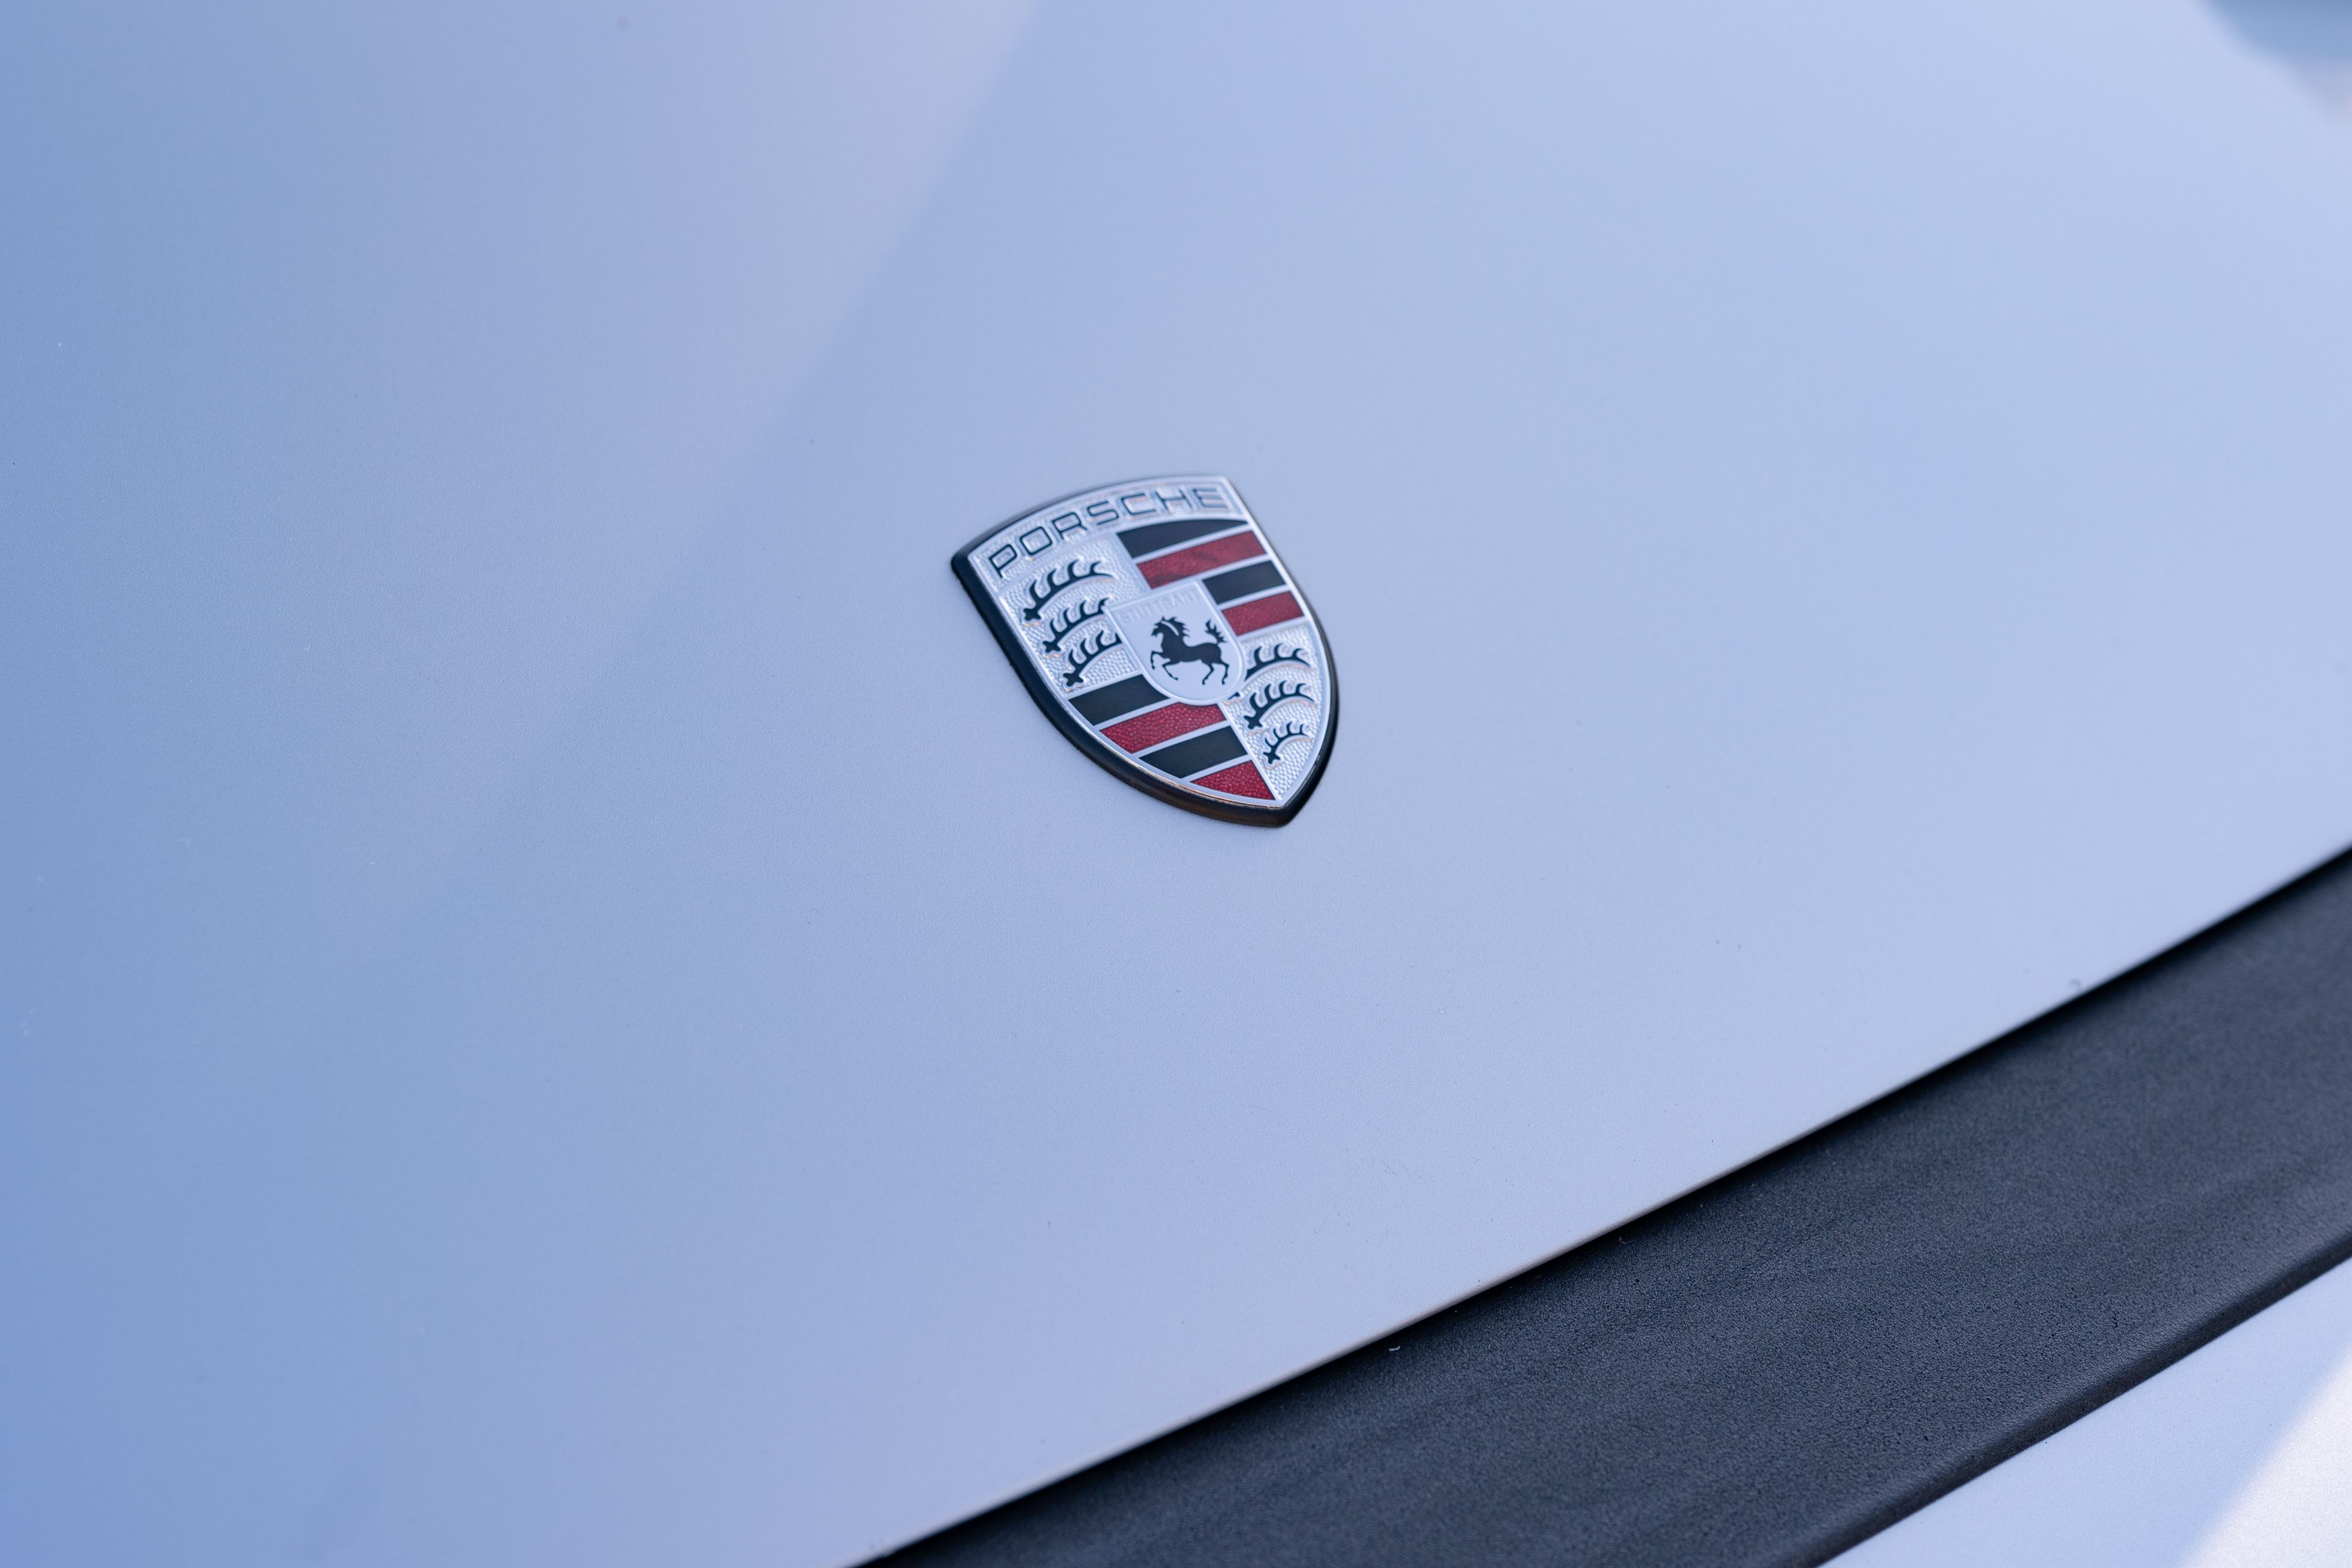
x=1786 y=1361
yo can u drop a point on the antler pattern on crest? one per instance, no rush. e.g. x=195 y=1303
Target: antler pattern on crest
x=1044 y=591
x=1068 y=621
x=1088 y=650
x=1266 y=659
x=1263 y=703
x=1272 y=752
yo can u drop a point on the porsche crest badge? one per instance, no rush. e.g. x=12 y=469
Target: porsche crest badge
x=1155 y=624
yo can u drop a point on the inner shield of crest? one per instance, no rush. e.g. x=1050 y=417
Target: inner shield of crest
x=1183 y=646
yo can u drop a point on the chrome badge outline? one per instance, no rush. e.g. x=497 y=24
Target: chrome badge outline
x=1227 y=704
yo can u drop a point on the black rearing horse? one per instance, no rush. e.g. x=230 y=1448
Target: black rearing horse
x=1174 y=650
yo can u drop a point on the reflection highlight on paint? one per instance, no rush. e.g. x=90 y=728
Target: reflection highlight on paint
x=2312 y=37
x=2295 y=1510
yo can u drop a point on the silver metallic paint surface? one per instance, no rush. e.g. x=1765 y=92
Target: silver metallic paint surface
x=520 y=1046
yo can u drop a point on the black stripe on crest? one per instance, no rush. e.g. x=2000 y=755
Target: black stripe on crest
x=1119 y=697
x=1153 y=538
x=1243 y=582
x=1197 y=753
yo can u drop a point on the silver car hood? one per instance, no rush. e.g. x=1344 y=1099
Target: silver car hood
x=565 y=1004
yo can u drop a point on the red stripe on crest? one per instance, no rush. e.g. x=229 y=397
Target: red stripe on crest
x=1168 y=569
x=1259 y=613
x=1147 y=730
x=1241 y=779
